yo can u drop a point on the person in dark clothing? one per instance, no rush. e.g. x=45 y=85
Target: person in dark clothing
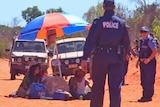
x=33 y=76
x=147 y=63
x=106 y=42
x=135 y=49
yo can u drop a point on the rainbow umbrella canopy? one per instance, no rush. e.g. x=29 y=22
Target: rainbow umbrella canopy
x=63 y=23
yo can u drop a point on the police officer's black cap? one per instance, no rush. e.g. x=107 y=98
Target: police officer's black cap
x=109 y=3
x=144 y=29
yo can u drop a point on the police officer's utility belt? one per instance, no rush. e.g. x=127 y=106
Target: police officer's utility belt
x=107 y=49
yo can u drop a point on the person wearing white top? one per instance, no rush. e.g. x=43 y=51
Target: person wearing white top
x=78 y=85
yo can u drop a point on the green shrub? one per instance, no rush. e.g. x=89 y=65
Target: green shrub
x=2 y=49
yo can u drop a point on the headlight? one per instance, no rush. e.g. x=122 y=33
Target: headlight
x=66 y=62
x=55 y=63
x=13 y=59
x=40 y=60
x=77 y=60
x=19 y=59
x=26 y=59
x=32 y=59
x=46 y=60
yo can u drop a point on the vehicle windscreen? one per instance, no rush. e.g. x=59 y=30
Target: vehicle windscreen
x=29 y=46
x=70 y=46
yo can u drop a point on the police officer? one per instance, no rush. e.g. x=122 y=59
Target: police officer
x=147 y=62
x=107 y=37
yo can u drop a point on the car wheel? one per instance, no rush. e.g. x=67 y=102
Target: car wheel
x=13 y=74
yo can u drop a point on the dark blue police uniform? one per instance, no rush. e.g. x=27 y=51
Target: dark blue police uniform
x=148 y=71
x=106 y=36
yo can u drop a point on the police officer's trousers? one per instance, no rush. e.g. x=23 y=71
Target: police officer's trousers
x=148 y=72
x=106 y=63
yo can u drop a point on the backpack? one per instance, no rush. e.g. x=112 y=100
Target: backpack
x=38 y=90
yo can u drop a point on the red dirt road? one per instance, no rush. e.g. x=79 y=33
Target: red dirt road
x=130 y=93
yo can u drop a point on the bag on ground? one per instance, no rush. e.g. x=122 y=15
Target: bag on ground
x=38 y=90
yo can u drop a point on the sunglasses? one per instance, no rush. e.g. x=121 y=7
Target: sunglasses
x=143 y=31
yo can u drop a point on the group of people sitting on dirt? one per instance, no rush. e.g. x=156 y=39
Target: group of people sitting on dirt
x=79 y=86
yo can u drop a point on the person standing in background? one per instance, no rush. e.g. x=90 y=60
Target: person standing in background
x=147 y=63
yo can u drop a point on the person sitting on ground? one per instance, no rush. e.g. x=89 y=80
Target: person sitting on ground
x=33 y=76
x=78 y=85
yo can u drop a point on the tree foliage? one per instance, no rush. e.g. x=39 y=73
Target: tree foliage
x=2 y=48
x=15 y=22
x=93 y=13
x=122 y=11
x=54 y=10
x=30 y=13
x=156 y=28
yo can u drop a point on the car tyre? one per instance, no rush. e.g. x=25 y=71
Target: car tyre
x=13 y=74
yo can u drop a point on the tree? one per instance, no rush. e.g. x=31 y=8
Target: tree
x=15 y=22
x=122 y=11
x=156 y=28
x=147 y=11
x=93 y=13
x=54 y=10
x=30 y=13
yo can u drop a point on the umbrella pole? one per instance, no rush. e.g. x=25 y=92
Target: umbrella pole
x=59 y=68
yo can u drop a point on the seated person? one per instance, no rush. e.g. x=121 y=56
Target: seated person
x=78 y=85
x=33 y=76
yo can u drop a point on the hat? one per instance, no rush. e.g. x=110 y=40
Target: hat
x=108 y=3
x=144 y=28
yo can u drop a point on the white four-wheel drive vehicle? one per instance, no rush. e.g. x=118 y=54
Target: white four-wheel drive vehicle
x=23 y=52
x=70 y=52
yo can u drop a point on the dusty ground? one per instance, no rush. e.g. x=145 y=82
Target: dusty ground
x=130 y=93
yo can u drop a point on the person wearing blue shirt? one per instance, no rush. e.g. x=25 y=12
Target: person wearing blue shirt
x=147 y=63
x=106 y=42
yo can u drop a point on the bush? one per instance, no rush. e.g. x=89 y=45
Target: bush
x=2 y=49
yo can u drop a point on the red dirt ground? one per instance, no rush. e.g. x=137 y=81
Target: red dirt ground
x=130 y=93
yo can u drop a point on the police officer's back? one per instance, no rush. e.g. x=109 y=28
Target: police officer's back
x=108 y=30
x=109 y=38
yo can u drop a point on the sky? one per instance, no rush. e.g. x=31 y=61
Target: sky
x=10 y=9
